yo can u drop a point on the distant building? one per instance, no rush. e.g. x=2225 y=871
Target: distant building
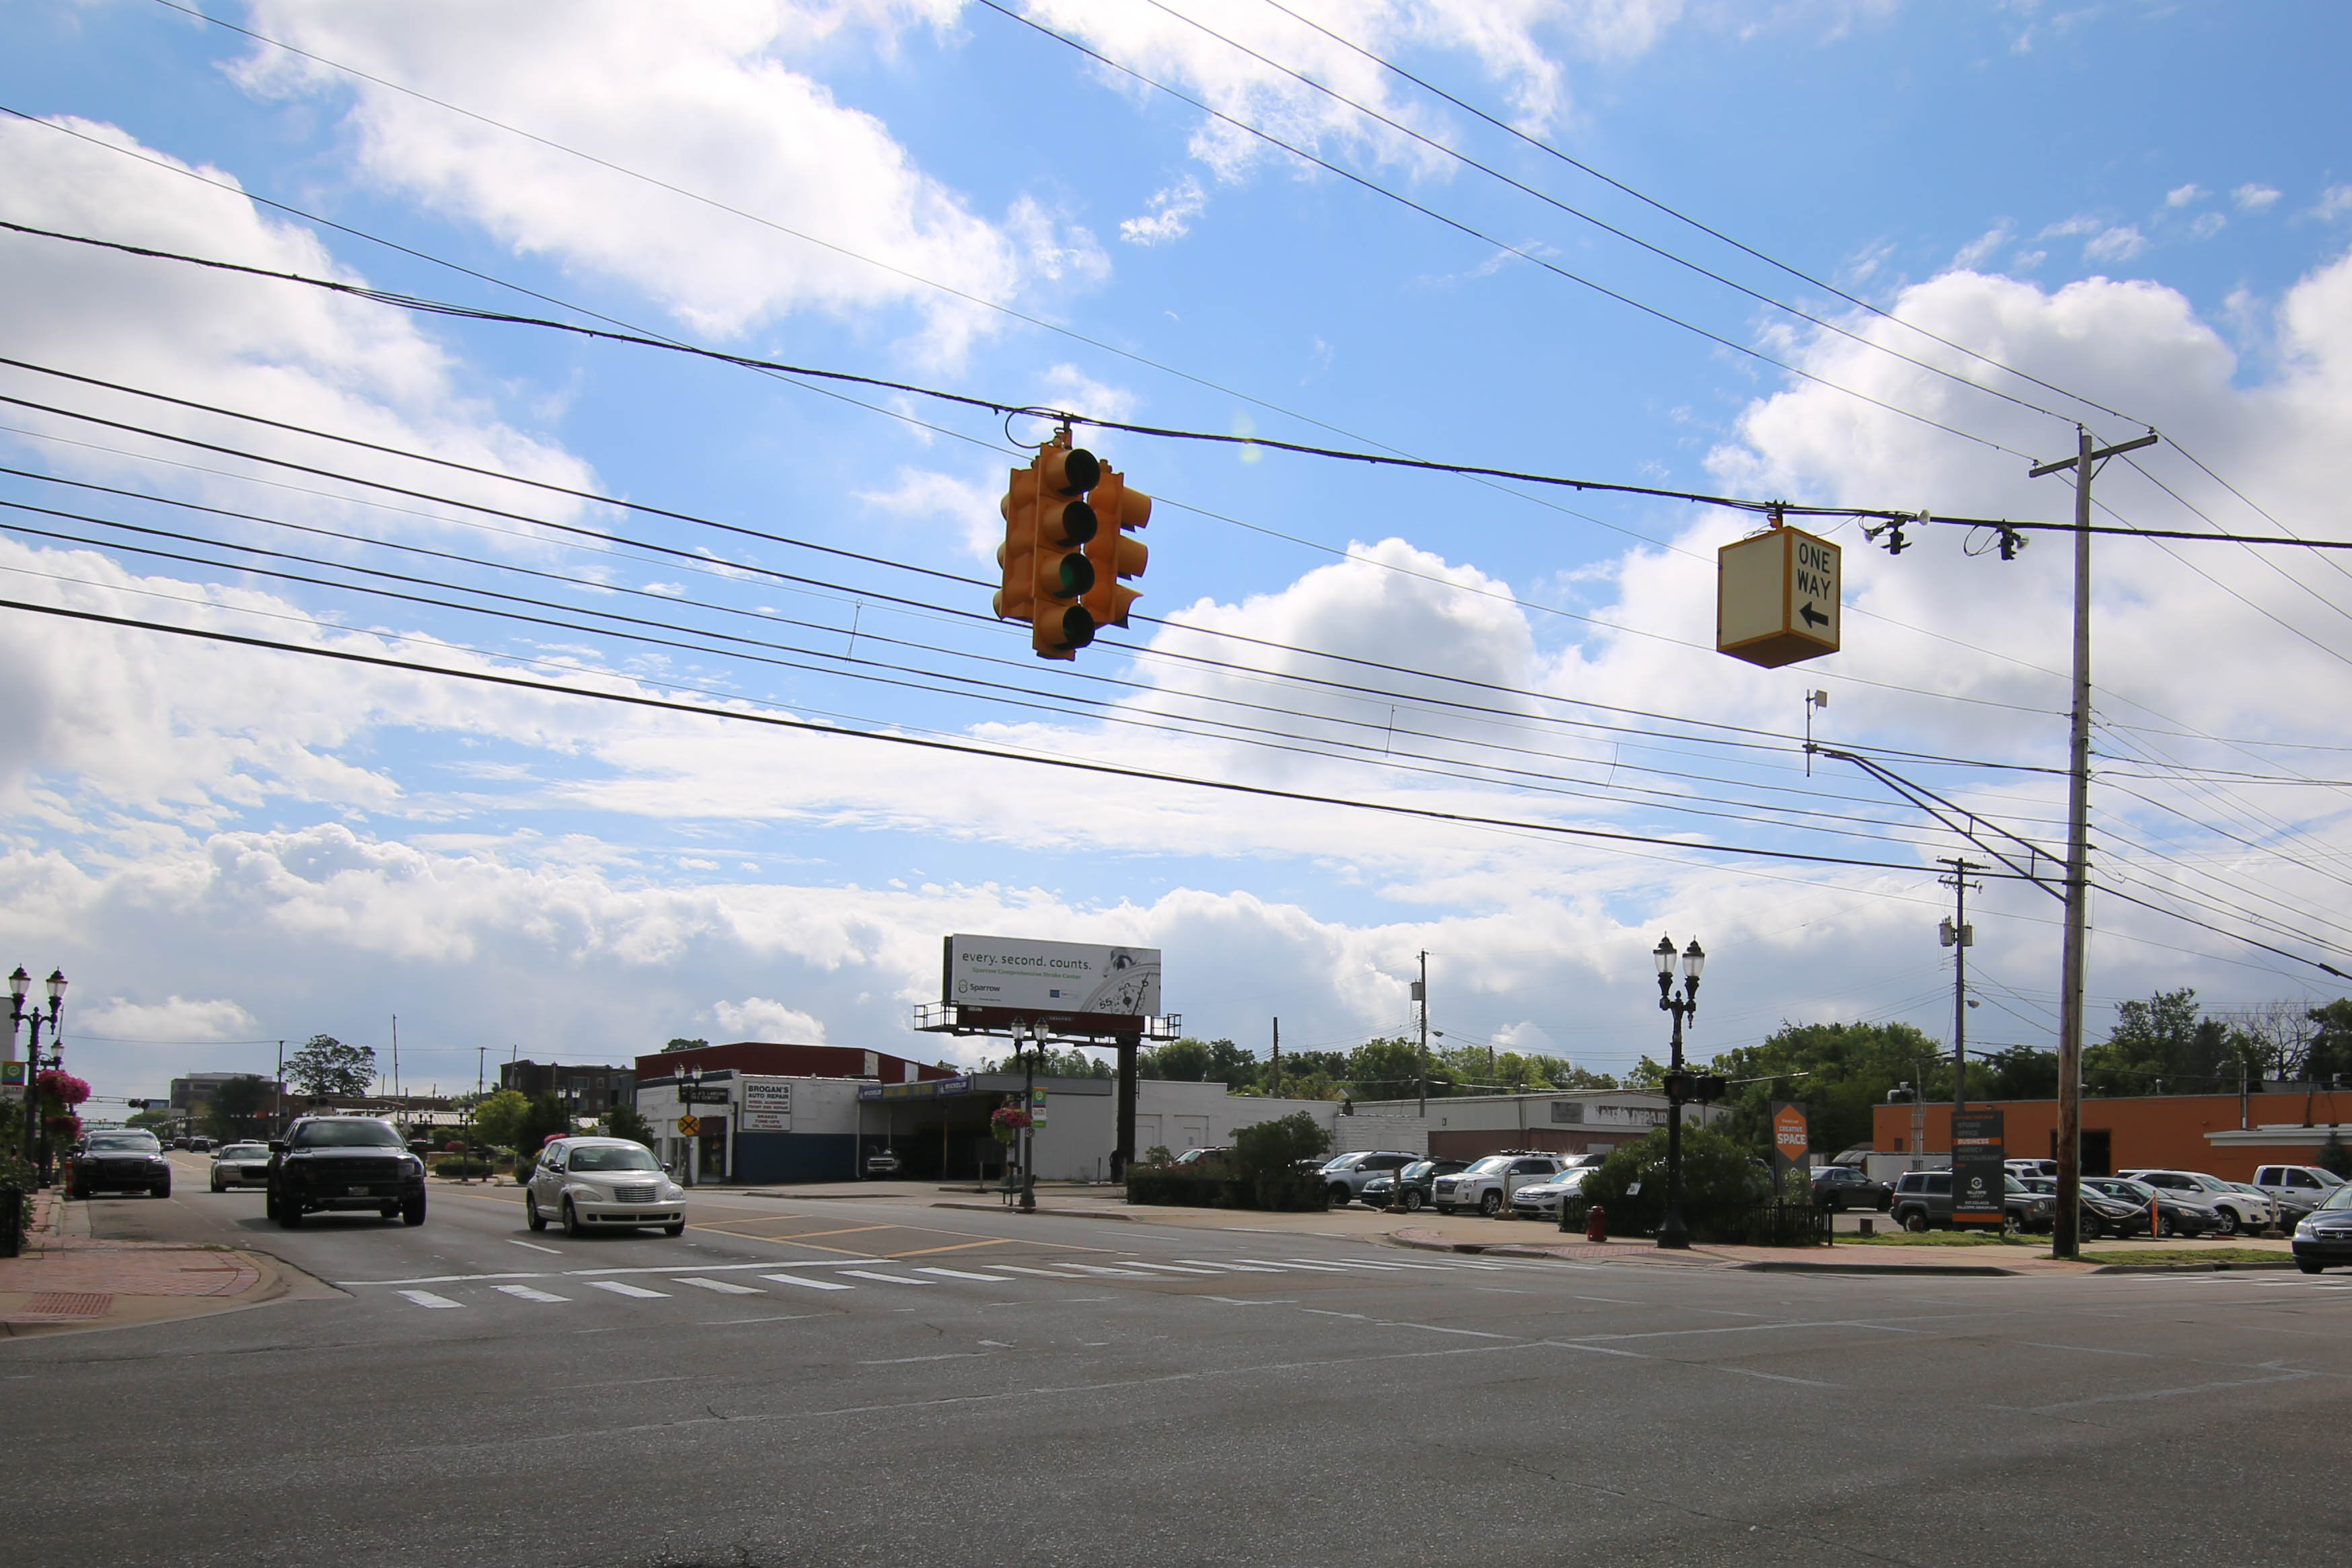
x=586 y=1090
x=1467 y=1127
x=193 y=1095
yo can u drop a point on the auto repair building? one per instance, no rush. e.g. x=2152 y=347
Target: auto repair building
x=2225 y=1135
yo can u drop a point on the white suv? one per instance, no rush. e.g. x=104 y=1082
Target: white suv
x=2240 y=1211
x=590 y=1183
x=1492 y=1182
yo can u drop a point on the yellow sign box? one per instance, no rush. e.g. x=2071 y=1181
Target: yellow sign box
x=1776 y=598
x=687 y=1126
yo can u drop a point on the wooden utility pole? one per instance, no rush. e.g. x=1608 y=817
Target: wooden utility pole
x=1958 y=938
x=2065 y=1239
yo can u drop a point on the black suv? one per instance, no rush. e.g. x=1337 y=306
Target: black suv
x=344 y=1161
x=126 y=1159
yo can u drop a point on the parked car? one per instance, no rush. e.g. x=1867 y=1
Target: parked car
x=2178 y=1213
x=2099 y=1215
x=881 y=1163
x=1488 y=1183
x=2237 y=1211
x=1346 y=1174
x=1418 y=1177
x=1542 y=1200
x=589 y=1183
x=200 y=1145
x=2021 y=1168
x=2276 y=1208
x=240 y=1165
x=1843 y=1186
x=1195 y=1156
x=119 y=1159
x=2302 y=1186
x=2326 y=1237
x=344 y=1163
x=1923 y=1201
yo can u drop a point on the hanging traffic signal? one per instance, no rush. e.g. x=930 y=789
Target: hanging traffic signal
x=1112 y=554
x=1016 y=556
x=1059 y=572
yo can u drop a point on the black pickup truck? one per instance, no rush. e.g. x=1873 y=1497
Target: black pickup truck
x=344 y=1163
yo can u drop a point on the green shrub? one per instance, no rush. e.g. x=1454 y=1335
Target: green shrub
x=461 y=1168
x=1720 y=1185
x=1159 y=1155
x=1286 y=1191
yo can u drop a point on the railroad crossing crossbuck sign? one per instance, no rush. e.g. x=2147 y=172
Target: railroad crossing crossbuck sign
x=687 y=1126
x=1776 y=598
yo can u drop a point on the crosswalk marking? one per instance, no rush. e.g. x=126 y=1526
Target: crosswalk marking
x=427 y=1298
x=1235 y=1267
x=1098 y=1269
x=1041 y=1273
x=886 y=1278
x=806 y=1284
x=722 y=1286
x=1177 y=1268
x=525 y=1292
x=1319 y=1268
x=619 y=1289
x=962 y=1274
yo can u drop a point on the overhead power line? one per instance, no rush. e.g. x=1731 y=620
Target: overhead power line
x=963 y=748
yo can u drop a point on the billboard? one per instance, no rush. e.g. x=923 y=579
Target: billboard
x=1077 y=985
x=1792 y=1140
x=1979 y=1176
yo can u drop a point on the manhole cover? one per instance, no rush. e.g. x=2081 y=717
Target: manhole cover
x=68 y=1304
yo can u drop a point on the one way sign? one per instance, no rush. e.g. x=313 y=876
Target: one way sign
x=1776 y=598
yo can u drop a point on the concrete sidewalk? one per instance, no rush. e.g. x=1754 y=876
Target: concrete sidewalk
x=67 y=1280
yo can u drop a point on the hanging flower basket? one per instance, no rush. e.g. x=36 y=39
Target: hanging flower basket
x=62 y=1087
x=1008 y=1123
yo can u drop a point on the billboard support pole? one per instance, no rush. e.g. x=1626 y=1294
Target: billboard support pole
x=1122 y=1153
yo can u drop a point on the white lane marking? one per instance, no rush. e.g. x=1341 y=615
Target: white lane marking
x=1171 y=1268
x=528 y=1293
x=1108 y=1273
x=534 y=1246
x=806 y=1284
x=1345 y=1263
x=911 y=1360
x=1319 y=1268
x=1235 y=1267
x=723 y=1287
x=886 y=1278
x=1041 y=1273
x=619 y=1289
x=1777 y=1377
x=439 y=1280
x=426 y=1299
x=965 y=1274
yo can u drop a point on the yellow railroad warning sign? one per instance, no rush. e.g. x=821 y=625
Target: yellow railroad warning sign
x=687 y=1126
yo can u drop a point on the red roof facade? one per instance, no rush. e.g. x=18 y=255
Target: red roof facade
x=789 y=1062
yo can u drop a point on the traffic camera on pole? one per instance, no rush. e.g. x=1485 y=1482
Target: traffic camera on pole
x=1112 y=554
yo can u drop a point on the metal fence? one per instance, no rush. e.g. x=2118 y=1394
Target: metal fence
x=1787 y=1225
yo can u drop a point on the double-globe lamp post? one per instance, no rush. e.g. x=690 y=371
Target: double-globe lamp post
x=18 y=984
x=1672 y=1232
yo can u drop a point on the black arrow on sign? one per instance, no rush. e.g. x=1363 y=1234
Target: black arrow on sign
x=1811 y=616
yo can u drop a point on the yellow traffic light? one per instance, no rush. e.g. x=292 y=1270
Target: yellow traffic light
x=1059 y=572
x=1015 y=555
x=1112 y=554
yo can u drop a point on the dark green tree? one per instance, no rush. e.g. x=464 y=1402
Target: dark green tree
x=1266 y=1153
x=328 y=1068
x=623 y=1122
x=545 y=1118
x=2161 y=1047
x=1391 y=1070
x=1180 y=1060
x=2017 y=1072
x=2334 y=1158
x=683 y=1044
x=1838 y=1070
x=2329 y=1054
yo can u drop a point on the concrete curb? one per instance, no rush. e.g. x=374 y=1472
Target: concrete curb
x=1972 y=1269
x=1044 y=1208
x=2224 y=1267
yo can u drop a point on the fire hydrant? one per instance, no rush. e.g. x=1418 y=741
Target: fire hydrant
x=1596 y=1224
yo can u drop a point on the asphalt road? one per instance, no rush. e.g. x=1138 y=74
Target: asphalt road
x=868 y=1382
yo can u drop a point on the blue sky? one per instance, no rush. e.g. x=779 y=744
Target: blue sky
x=2135 y=204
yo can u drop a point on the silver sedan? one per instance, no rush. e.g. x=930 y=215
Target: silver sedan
x=240 y=1165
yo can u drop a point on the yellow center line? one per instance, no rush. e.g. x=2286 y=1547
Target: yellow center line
x=957 y=1247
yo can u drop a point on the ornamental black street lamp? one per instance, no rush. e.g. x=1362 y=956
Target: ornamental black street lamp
x=35 y=1126
x=1672 y=1231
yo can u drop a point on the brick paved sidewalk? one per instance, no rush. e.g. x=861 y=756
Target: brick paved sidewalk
x=64 y=1280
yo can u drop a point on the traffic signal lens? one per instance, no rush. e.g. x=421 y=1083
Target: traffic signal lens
x=1067 y=523
x=1067 y=471
x=1076 y=575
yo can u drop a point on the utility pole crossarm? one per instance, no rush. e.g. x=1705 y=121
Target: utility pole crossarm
x=2099 y=454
